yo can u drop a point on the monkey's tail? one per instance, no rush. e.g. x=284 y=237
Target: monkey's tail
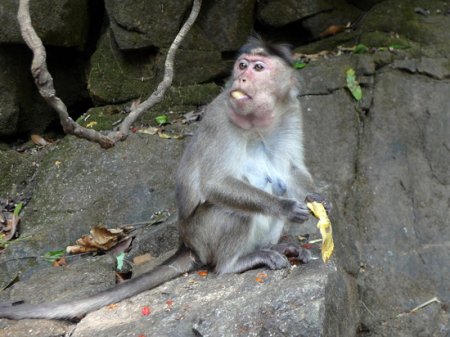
x=182 y=262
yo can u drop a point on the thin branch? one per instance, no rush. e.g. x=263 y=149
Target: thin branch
x=158 y=94
x=44 y=80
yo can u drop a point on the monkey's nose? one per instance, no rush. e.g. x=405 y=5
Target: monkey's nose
x=243 y=80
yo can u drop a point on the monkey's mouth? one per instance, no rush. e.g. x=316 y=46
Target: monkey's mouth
x=239 y=95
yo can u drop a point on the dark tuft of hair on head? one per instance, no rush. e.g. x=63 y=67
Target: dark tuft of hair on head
x=283 y=51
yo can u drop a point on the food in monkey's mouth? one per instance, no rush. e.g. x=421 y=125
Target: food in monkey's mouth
x=237 y=94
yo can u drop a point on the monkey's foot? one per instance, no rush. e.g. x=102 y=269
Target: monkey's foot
x=293 y=250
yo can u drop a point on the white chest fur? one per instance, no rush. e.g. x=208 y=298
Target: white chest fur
x=268 y=172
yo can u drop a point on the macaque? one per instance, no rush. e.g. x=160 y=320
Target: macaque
x=241 y=181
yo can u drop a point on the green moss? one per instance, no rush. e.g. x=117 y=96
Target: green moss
x=380 y=39
x=118 y=77
x=102 y=118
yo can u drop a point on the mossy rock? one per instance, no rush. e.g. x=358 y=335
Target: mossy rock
x=177 y=100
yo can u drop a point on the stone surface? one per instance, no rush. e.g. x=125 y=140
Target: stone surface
x=156 y=25
x=62 y=23
x=284 y=304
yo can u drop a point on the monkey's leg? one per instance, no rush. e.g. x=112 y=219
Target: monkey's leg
x=264 y=257
x=290 y=249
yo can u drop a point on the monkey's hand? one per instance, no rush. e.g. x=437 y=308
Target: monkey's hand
x=310 y=197
x=295 y=211
x=324 y=224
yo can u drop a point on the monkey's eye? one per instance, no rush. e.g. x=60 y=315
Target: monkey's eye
x=242 y=65
x=259 y=67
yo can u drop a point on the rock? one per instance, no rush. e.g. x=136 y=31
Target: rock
x=403 y=182
x=138 y=172
x=143 y=24
x=21 y=108
x=277 y=13
x=114 y=78
x=58 y=23
x=284 y=304
x=227 y=24
x=425 y=33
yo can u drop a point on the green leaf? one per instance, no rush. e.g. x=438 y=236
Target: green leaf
x=398 y=46
x=54 y=255
x=18 y=208
x=299 y=65
x=353 y=84
x=120 y=259
x=360 y=49
x=162 y=119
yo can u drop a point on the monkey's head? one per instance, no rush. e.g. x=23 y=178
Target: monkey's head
x=263 y=81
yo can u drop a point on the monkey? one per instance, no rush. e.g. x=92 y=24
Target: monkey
x=241 y=182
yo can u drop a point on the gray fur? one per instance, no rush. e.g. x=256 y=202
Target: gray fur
x=238 y=184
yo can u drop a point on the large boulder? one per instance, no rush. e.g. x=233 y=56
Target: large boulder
x=62 y=23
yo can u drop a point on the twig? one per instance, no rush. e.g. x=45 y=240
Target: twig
x=158 y=94
x=44 y=80
x=421 y=306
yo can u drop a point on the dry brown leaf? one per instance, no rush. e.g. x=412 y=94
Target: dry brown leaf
x=262 y=275
x=38 y=140
x=259 y=279
x=333 y=30
x=80 y=249
x=60 y=262
x=112 y=306
x=100 y=238
x=202 y=273
x=137 y=260
x=12 y=221
x=106 y=237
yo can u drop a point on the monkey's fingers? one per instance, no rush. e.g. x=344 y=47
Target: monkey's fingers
x=324 y=224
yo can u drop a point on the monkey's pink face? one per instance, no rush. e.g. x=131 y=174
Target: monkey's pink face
x=259 y=83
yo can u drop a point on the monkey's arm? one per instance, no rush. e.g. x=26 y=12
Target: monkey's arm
x=239 y=195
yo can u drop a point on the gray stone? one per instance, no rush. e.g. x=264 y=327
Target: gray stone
x=227 y=23
x=403 y=180
x=58 y=23
x=140 y=24
x=286 y=303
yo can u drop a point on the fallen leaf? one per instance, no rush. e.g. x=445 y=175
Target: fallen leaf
x=262 y=275
x=59 y=262
x=53 y=255
x=12 y=222
x=38 y=140
x=57 y=163
x=120 y=259
x=333 y=30
x=151 y=130
x=112 y=306
x=353 y=85
x=259 y=279
x=91 y=124
x=202 y=273
x=99 y=239
x=165 y=135
x=137 y=260
x=161 y=119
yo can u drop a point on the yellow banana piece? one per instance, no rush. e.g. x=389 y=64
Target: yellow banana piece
x=324 y=224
